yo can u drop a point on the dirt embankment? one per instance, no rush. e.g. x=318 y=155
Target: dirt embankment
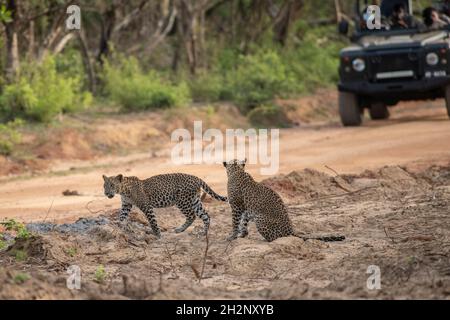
x=392 y=218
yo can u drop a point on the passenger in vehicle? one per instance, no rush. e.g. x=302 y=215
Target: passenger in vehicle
x=432 y=19
x=400 y=19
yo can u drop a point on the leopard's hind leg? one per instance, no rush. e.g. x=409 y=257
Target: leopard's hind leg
x=243 y=226
x=202 y=214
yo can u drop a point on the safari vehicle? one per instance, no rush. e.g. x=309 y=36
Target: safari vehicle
x=385 y=66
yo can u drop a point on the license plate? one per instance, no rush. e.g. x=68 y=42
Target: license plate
x=395 y=74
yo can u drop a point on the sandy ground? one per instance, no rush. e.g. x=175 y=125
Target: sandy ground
x=393 y=220
x=391 y=201
x=414 y=136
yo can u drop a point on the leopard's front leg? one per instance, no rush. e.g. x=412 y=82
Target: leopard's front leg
x=150 y=214
x=126 y=209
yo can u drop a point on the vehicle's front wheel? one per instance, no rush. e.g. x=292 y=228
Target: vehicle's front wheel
x=349 y=109
x=379 y=111
x=447 y=99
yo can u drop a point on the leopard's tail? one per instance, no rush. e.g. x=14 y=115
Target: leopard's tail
x=328 y=238
x=211 y=192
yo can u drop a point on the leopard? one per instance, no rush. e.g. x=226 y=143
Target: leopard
x=161 y=191
x=253 y=201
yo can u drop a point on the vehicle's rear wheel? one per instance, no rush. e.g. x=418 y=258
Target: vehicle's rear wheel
x=379 y=111
x=349 y=109
x=447 y=99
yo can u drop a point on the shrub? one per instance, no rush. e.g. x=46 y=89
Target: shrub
x=258 y=79
x=20 y=255
x=41 y=93
x=100 y=274
x=9 y=136
x=21 y=278
x=19 y=228
x=134 y=90
x=72 y=251
x=268 y=116
x=3 y=243
x=314 y=62
x=207 y=87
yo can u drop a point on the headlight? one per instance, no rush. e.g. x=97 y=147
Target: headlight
x=432 y=59
x=359 y=65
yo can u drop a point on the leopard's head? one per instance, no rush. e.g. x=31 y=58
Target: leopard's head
x=235 y=166
x=112 y=185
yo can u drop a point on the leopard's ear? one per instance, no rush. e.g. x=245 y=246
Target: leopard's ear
x=105 y=178
x=120 y=177
x=224 y=164
x=243 y=163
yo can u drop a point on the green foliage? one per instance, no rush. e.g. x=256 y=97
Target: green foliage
x=18 y=227
x=9 y=136
x=314 y=63
x=3 y=243
x=258 y=79
x=5 y=15
x=100 y=274
x=268 y=71
x=135 y=90
x=72 y=251
x=267 y=116
x=209 y=87
x=41 y=93
x=21 y=278
x=20 y=255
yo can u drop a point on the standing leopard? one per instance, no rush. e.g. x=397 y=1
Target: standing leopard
x=250 y=200
x=161 y=191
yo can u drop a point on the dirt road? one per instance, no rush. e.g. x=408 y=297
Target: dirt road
x=413 y=136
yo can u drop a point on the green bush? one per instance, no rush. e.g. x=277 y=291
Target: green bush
x=21 y=278
x=9 y=136
x=314 y=61
x=41 y=93
x=18 y=227
x=268 y=116
x=100 y=274
x=207 y=87
x=3 y=243
x=258 y=79
x=126 y=84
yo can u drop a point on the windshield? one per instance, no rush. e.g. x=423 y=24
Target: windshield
x=402 y=16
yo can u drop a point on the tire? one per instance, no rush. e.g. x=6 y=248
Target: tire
x=349 y=109
x=447 y=99
x=379 y=111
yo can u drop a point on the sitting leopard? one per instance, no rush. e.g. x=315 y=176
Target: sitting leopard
x=161 y=191
x=250 y=200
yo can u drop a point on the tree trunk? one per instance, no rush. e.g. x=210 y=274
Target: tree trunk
x=186 y=28
x=88 y=66
x=31 y=41
x=12 y=43
x=107 y=27
x=284 y=20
